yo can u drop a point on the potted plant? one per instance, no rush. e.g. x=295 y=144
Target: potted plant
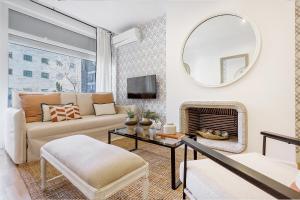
x=149 y=115
x=131 y=116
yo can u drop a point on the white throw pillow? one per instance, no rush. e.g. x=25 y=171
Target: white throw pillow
x=105 y=109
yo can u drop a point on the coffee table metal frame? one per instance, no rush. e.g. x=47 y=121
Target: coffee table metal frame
x=174 y=183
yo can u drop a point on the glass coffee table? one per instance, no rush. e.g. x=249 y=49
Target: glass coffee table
x=172 y=144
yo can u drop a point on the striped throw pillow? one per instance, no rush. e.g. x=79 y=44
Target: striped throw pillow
x=72 y=112
x=63 y=113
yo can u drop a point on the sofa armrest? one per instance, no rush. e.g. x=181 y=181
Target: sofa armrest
x=15 y=135
x=122 y=109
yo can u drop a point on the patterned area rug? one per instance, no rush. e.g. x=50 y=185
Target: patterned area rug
x=160 y=177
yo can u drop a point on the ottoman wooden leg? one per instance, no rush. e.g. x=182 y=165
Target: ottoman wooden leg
x=145 y=187
x=43 y=173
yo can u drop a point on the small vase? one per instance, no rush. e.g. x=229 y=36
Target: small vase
x=131 y=125
x=145 y=125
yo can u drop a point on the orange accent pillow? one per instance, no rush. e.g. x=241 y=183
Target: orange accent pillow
x=57 y=113
x=102 y=98
x=31 y=105
x=62 y=113
x=72 y=112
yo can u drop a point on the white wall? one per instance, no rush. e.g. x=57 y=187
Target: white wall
x=3 y=66
x=267 y=90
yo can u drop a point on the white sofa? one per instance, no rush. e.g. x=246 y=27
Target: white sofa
x=23 y=140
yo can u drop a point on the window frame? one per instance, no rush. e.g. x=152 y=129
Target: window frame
x=45 y=73
x=45 y=61
x=27 y=71
x=25 y=56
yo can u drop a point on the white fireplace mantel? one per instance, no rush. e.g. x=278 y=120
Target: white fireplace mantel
x=233 y=145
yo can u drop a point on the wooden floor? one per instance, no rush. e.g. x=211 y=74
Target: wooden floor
x=12 y=186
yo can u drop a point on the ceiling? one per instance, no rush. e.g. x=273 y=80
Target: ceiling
x=114 y=15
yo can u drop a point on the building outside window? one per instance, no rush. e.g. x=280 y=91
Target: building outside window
x=10 y=55
x=88 y=76
x=27 y=89
x=45 y=75
x=59 y=63
x=56 y=76
x=27 y=58
x=9 y=97
x=10 y=71
x=72 y=65
x=27 y=73
x=45 y=61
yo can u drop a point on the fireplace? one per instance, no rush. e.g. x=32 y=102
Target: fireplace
x=218 y=116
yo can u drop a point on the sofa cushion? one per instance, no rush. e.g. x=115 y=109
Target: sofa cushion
x=31 y=105
x=210 y=176
x=67 y=98
x=45 y=129
x=102 y=98
x=104 y=109
x=96 y=163
x=85 y=103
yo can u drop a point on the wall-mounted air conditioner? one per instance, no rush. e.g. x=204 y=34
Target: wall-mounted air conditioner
x=127 y=37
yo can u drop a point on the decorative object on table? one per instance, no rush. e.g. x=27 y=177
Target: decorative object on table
x=176 y=136
x=149 y=115
x=169 y=128
x=131 y=122
x=152 y=133
x=145 y=125
x=213 y=134
x=156 y=124
x=147 y=120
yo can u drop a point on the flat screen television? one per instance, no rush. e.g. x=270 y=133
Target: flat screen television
x=143 y=87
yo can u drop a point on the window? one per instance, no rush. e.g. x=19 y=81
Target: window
x=60 y=67
x=84 y=77
x=91 y=77
x=45 y=61
x=10 y=55
x=27 y=89
x=59 y=63
x=45 y=75
x=44 y=90
x=27 y=58
x=9 y=97
x=27 y=73
x=88 y=76
x=10 y=71
x=72 y=66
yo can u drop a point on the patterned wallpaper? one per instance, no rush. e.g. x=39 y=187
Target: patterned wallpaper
x=145 y=58
x=298 y=77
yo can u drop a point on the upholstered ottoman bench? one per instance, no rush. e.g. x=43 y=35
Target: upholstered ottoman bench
x=97 y=169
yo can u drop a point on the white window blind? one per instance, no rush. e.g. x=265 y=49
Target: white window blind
x=26 y=24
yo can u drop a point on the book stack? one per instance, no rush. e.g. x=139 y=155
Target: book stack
x=176 y=136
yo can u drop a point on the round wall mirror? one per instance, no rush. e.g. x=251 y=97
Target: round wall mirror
x=220 y=50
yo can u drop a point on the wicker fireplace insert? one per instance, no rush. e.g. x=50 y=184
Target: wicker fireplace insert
x=221 y=116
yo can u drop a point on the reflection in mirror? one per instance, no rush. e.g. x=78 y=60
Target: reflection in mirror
x=220 y=50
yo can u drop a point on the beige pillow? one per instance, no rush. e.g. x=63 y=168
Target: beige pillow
x=101 y=98
x=105 y=109
x=31 y=105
